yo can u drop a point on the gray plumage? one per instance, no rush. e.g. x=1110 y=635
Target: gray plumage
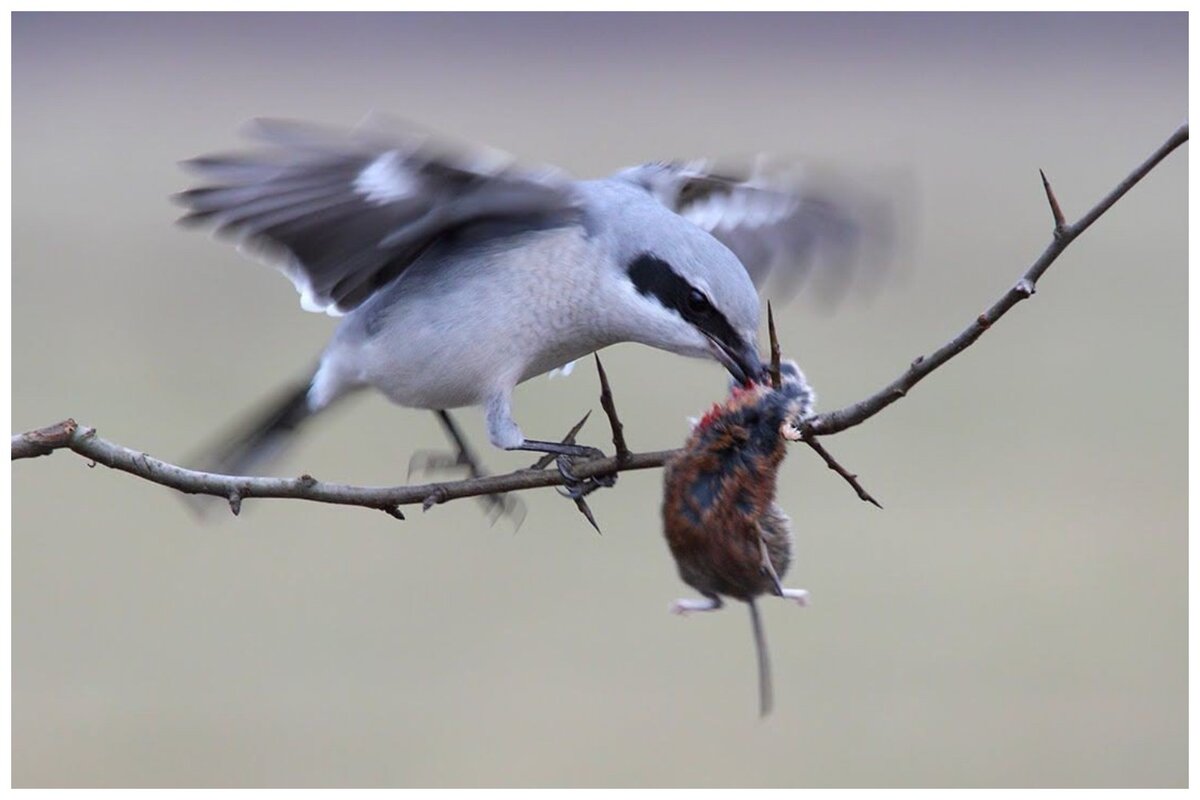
x=460 y=274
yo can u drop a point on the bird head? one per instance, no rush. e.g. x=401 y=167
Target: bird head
x=683 y=291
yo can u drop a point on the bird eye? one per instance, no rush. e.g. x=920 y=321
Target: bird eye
x=697 y=303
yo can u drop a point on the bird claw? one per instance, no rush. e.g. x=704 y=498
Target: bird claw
x=578 y=488
x=496 y=505
x=424 y=461
x=505 y=505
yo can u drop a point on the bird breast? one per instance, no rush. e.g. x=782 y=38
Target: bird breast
x=455 y=329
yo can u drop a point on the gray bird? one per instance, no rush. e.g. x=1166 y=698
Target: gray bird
x=459 y=274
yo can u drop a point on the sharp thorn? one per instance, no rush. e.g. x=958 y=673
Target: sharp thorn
x=576 y=428
x=584 y=509
x=548 y=458
x=431 y=500
x=849 y=477
x=610 y=409
x=776 y=376
x=1060 y=222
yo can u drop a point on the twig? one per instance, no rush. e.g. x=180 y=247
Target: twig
x=43 y=441
x=610 y=408
x=776 y=374
x=586 y=510
x=84 y=441
x=1060 y=221
x=496 y=504
x=776 y=354
x=840 y=420
x=832 y=463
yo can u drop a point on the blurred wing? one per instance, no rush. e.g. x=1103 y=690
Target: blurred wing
x=344 y=213
x=784 y=226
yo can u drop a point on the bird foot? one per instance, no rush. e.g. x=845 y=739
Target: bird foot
x=425 y=461
x=568 y=455
x=496 y=505
x=578 y=488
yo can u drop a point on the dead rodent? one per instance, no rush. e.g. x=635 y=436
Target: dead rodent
x=728 y=535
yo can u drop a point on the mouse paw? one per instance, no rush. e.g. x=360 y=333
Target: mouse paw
x=799 y=596
x=688 y=605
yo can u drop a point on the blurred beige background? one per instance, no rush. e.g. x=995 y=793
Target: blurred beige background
x=1016 y=616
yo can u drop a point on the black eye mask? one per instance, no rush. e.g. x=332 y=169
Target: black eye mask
x=654 y=277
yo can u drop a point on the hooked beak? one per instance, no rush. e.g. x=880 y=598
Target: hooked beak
x=744 y=365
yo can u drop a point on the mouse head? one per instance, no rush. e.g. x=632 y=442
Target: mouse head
x=764 y=413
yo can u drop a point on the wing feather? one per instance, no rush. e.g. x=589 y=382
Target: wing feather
x=784 y=225
x=344 y=213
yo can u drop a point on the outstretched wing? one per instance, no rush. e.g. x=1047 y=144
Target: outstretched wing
x=784 y=225
x=344 y=213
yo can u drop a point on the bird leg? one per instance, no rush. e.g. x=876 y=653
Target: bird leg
x=463 y=456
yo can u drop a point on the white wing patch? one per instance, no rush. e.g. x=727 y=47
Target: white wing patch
x=308 y=298
x=818 y=227
x=749 y=209
x=385 y=180
x=564 y=370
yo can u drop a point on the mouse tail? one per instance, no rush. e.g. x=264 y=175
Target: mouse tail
x=765 y=694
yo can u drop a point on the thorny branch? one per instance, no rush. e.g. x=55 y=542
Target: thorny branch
x=774 y=371
x=68 y=435
x=840 y=420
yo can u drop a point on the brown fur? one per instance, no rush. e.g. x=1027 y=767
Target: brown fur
x=718 y=545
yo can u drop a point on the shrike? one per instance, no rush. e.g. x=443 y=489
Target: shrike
x=459 y=274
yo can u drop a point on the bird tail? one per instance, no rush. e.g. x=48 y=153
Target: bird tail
x=258 y=439
x=765 y=695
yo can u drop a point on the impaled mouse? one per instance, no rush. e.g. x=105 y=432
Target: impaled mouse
x=728 y=535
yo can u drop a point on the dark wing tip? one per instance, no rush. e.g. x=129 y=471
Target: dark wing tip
x=195 y=219
x=793 y=224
